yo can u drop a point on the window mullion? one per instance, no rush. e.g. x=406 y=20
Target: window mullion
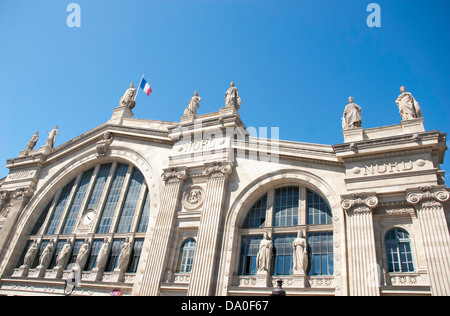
x=269 y=210
x=87 y=196
x=106 y=189
x=302 y=206
x=50 y=213
x=68 y=206
x=123 y=193
x=139 y=208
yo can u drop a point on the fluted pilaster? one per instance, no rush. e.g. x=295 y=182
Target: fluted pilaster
x=206 y=253
x=160 y=243
x=363 y=271
x=430 y=212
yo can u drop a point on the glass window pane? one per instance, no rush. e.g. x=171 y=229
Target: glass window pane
x=320 y=252
x=286 y=207
x=318 y=210
x=59 y=209
x=186 y=258
x=256 y=217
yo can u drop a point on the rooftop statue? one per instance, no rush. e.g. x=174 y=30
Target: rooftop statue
x=32 y=143
x=232 y=98
x=408 y=106
x=128 y=98
x=193 y=106
x=51 y=137
x=352 y=115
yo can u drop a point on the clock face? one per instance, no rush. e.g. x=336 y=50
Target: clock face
x=88 y=217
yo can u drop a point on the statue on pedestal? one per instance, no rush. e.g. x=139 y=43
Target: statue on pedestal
x=232 y=98
x=352 y=115
x=408 y=106
x=83 y=255
x=264 y=254
x=124 y=256
x=51 y=137
x=128 y=98
x=46 y=255
x=28 y=260
x=63 y=255
x=32 y=143
x=193 y=106
x=300 y=255
x=103 y=255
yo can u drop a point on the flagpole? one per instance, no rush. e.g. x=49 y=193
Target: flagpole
x=139 y=87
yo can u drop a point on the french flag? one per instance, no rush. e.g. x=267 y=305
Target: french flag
x=146 y=87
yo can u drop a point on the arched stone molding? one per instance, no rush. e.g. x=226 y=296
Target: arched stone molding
x=238 y=209
x=68 y=171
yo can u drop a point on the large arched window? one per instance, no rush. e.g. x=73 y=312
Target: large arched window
x=284 y=211
x=398 y=251
x=109 y=203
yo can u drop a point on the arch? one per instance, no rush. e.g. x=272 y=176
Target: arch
x=67 y=171
x=249 y=195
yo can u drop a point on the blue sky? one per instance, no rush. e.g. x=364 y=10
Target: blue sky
x=295 y=63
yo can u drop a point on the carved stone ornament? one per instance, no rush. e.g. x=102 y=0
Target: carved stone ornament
x=103 y=145
x=224 y=168
x=174 y=173
x=360 y=203
x=193 y=198
x=427 y=194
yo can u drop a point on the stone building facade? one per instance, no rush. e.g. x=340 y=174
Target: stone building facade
x=199 y=207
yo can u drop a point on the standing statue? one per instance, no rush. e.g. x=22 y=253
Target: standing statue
x=32 y=143
x=232 y=98
x=46 y=255
x=300 y=255
x=193 y=106
x=51 y=137
x=63 y=255
x=103 y=255
x=128 y=98
x=124 y=256
x=264 y=254
x=28 y=260
x=83 y=255
x=408 y=106
x=352 y=115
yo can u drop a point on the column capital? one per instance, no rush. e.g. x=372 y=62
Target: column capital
x=176 y=174
x=224 y=168
x=359 y=202
x=427 y=193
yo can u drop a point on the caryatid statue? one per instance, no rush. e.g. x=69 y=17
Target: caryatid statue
x=63 y=255
x=29 y=256
x=51 y=137
x=33 y=141
x=124 y=256
x=264 y=254
x=352 y=115
x=103 y=255
x=83 y=255
x=300 y=255
x=46 y=255
x=128 y=98
x=193 y=106
x=232 y=98
x=408 y=106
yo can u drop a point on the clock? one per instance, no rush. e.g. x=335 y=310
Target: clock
x=88 y=217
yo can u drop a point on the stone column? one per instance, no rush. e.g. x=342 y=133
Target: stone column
x=362 y=262
x=206 y=253
x=160 y=242
x=428 y=202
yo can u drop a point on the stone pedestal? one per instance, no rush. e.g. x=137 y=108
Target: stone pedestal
x=353 y=135
x=263 y=279
x=119 y=114
x=21 y=272
x=412 y=126
x=299 y=279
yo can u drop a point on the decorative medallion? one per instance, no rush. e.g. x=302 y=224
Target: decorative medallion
x=193 y=198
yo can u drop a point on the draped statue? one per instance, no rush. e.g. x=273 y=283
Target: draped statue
x=300 y=255
x=232 y=98
x=264 y=254
x=103 y=255
x=193 y=106
x=128 y=98
x=51 y=137
x=32 y=142
x=352 y=115
x=63 y=255
x=408 y=106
